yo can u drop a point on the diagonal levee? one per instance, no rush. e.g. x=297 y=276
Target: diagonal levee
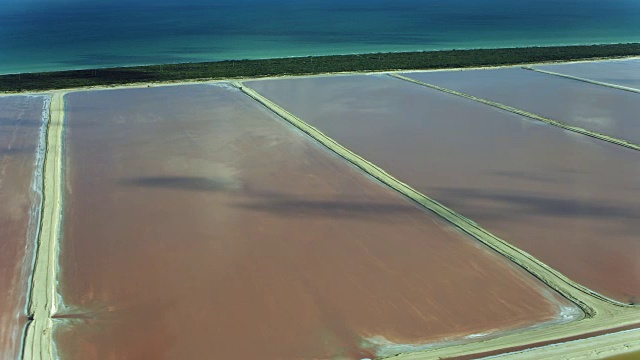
x=543 y=119
x=588 y=81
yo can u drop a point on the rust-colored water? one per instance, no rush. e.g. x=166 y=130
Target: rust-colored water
x=570 y=200
x=593 y=107
x=618 y=72
x=197 y=225
x=20 y=123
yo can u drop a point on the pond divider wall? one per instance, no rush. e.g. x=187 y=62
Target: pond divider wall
x=543 y=119
x=42 y=298
x=619 y=87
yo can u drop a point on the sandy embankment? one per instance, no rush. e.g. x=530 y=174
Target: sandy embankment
x=42 y=302
x=613 y=86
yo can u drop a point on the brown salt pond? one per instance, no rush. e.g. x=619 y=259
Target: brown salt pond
x=597 y=108
x=570 y=200
x=197 y=224
x=617 y=72
x=21 y=120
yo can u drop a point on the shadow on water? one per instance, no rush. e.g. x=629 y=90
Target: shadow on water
x=327 y=208
x=523 y=175
x=189 y=183
x=524 y=204
x=20 y=123
x=16 y=151
x=274 y=202
x=294 y=205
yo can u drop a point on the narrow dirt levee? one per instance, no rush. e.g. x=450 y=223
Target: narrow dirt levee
x=42 y=302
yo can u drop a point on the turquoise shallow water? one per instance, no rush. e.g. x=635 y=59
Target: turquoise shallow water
x=39 y=35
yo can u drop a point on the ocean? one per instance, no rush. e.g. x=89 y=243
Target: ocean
x=47 y=35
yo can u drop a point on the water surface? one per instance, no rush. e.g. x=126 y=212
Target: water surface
x=570 y=200
x=21 y=118
x=593 y=107
x=198 y=225
x=44 y=35
x=618 y=72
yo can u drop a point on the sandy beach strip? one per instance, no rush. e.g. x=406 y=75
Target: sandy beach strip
x=134 y=85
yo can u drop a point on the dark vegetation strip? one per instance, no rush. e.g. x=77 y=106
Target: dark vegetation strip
x=310 y=65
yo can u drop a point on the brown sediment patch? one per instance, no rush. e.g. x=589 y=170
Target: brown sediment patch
x=624 y=73
x=21 y=120
x=369 y=125
x=197 y=225
x=592 y=107
x=43 y=296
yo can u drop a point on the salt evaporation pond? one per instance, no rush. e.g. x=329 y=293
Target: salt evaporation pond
x=597 y=108
x=570 y=200
x=198 y=225
x=21 y=121
x=617 y=72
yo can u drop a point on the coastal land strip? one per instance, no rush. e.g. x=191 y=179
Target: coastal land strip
x=236 y=69
x=601 y=313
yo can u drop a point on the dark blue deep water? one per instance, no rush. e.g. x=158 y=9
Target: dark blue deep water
x=38 y=35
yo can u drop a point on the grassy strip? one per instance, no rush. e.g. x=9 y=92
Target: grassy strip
x=310 y=65
x=559 y=124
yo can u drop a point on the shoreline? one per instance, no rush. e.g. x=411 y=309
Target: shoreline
x=212 y=81
x=385 y=49
x=311 y=65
